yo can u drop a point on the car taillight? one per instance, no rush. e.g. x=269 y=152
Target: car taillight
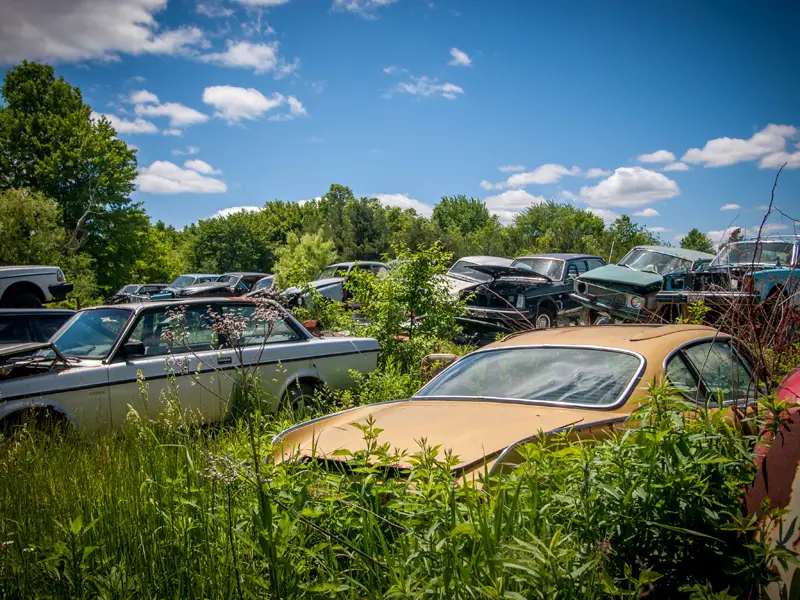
x=747 y=283
x=59 y=275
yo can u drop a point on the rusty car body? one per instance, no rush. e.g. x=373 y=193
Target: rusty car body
x=487 y=404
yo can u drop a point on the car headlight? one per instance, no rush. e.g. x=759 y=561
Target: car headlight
x=301 y=301
x=520 y=303
x=581 y=287
x=59 y=275
x=635 y=302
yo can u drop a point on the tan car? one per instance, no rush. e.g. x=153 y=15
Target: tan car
x=489 y=402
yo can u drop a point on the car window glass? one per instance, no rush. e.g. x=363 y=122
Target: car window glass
x=721 y=370
x=379 y=270
x=566 y=375
x=258 y=332
x=14 y=329
x=49 y=325
x=175 y=331
x=681 y=377
x=365 y=267
x=594 y=263
x=91 y=333
x=222 y=279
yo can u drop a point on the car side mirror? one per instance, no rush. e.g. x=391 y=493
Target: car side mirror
x=132 y=349
x=433 y=364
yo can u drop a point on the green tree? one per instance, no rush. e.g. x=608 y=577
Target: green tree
x=554 y=227
x=30 y=229
x=50 y=143
x=623 y=235
x=364 y=230
x=461 y=215
x=331 y=213
x=302 y=258
x=697 y=240
x=237 y=242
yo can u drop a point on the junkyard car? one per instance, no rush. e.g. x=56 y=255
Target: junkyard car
x=229 y=284
x=32 y=286
x=461 y=275
x=135 y=292
x=330 y=282
x=24 y=325
x=488 y=403
x=87 y=373
x=749 y=271
x=261 y=286
x=532 y=291
x=182 y=282
x=627 y=290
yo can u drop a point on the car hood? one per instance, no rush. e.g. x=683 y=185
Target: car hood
x=503 y=271
x=204 y=287
x=474 y=429
x=317 y=283
x=623 y=275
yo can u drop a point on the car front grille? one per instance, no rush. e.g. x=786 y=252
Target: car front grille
x=606 y=295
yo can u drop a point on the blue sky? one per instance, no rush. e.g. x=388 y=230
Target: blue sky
x=235 y=102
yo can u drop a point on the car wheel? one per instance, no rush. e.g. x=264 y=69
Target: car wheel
x=300 y=397
x=44 y=420
x=545 y=318
x=22 y=300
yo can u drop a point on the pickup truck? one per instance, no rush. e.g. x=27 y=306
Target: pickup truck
x=32 y=286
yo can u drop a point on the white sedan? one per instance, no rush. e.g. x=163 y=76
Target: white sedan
x=87 y=373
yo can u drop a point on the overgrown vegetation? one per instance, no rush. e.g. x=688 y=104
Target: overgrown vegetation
x=166 y=512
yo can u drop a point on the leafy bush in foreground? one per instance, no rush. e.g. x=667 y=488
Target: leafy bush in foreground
x=159 y=512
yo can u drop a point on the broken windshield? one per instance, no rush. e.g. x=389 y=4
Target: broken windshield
x=654 y=262
x=770 y=252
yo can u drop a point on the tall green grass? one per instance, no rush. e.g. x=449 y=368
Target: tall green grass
x=163 y=511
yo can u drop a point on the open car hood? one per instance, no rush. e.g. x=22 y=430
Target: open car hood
x=475 y=430
x=208 y=286
x=317 y=284
x=501 y=271
x=623 y=275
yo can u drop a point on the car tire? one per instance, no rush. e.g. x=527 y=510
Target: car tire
x=22 y=300
x=44 y=420
x=300 y=397
x=545 y=318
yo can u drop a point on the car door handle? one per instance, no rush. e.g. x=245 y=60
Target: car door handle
x=224 y=360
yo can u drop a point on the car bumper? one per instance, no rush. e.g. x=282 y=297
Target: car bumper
x=613 y=309
x=709 y=297
x=499 y=314
x=59 y=291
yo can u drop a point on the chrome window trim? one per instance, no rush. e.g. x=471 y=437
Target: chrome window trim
x=616 y=404
x=531 y=438
x=722 y=337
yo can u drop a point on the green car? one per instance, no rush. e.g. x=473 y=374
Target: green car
x=627 y=291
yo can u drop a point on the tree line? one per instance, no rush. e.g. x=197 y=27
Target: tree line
x=66 y=181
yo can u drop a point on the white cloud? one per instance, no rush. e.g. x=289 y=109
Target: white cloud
x=730 y=207
x=775 y=160
x=201 y=166
x=460 y=58
x=178 y=114
x=122 y=126
x=428 y=86
x=262 y=2
x=190 y=150
x=543 y=174
x=630 y=187
x=143 y=97
x=363 y=8
x=720 y=236
x=488 y=185
x=659 y=156
x=647 y=212
x=173 y=132
x=234 y=103
x=511 y=168
x=404 y=202
x=596 y=173
x=657 y=229
x=676 y=166
x=164 y=177
x=213 y=11
x=296 y=109
x=75 y=30
x=609 y=216
x=389 y=70
x=510 y=203
x=259 y=57
x=721 y=152
x=227 y=212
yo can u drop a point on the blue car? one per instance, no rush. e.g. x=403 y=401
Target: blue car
x=750 y=271
x=182 y=282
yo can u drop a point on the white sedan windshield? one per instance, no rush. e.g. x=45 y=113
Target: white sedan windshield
x=579 y=376
x=91 y=333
